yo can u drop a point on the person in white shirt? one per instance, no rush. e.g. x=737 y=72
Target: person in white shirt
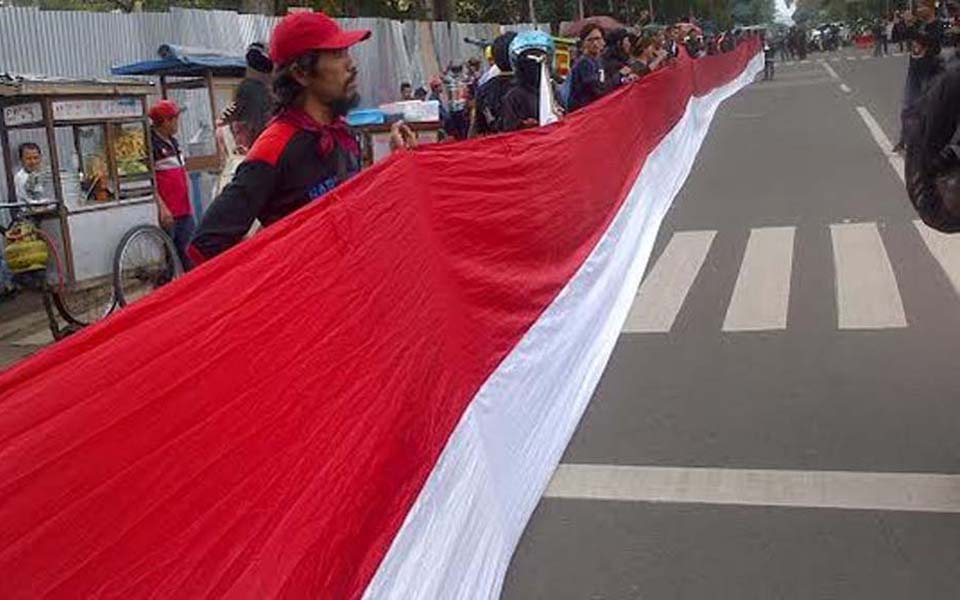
x=26 y=181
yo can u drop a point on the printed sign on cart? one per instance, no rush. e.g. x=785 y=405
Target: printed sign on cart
x=22 y=114
x=79 y=110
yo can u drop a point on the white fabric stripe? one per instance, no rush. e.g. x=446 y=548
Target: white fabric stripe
x=867 y=292
x=762 y=292
x=946 y=249
x=167 y=164
x=926 y=492
x=664 y=289
x=457 y=539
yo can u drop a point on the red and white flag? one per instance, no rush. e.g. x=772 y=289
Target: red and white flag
x=368 y=398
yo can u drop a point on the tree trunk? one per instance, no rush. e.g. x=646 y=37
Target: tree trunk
x=444 y=10
x=532 y=12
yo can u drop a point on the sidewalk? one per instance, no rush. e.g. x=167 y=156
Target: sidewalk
x=23 y=328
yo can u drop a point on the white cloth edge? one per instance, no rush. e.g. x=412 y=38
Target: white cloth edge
x=459 y=536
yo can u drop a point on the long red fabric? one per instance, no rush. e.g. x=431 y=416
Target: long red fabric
x=261 y=427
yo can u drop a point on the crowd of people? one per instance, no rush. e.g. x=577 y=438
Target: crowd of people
x=307 y=149
x=472 y=99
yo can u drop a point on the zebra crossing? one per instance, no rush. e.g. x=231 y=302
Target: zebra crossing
x=866 y=292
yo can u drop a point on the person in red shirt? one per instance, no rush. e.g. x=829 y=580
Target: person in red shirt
x=176 y=213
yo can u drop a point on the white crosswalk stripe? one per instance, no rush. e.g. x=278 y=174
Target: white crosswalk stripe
x=666 y=286
x=866 y=292
x=762 y=293
x=946 y=249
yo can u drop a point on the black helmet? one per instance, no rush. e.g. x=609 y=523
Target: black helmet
x=501 y=51
x=258 y=59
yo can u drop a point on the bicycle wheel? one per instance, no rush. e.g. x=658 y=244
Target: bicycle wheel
x=83 y=306
x=146 y=259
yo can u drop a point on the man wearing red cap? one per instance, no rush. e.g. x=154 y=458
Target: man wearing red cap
x=307 y=149
x=176 y=214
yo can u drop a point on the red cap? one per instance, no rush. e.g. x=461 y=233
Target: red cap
x=301 y=32
x=163 y=110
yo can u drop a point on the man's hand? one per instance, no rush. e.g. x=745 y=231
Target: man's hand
x=529 y=123
x=164 y=216
x=401 y=136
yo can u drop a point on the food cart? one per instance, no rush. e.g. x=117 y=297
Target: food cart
x=93 y=197
x=186 y=74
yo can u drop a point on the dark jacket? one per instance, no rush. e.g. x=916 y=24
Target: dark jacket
x=933 y=156
x=521 y=102
x=587 y=82
x=921 y=72
x=490 y=104
x=283 y=171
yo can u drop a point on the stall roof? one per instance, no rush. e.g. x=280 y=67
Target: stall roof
x=39 y=85
x=179 y=61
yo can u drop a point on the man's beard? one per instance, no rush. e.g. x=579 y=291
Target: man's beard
x=342 y=106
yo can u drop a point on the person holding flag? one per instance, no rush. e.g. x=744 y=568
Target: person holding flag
x=530 y=102
x=307 y=149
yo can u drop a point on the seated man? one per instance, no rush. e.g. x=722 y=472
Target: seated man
x=26 y=181
x=529 y=51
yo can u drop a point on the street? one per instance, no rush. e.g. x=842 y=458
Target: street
x=780 y=418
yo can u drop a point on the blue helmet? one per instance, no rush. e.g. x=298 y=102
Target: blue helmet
x=531 y=40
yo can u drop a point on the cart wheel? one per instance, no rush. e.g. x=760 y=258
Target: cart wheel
x=83 y=307
x=146 y=259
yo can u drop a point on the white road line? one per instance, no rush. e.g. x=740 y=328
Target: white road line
x=946 y=249
x=851 y=58
x=663 y=291
x=895 y=160
x=829 y=70
x=762 y=292
x=845 y=88
x=918 y=492
x=867 y=292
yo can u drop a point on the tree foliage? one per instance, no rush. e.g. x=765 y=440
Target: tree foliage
x=721 y=12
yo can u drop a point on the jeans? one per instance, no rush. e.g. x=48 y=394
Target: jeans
x=181 y=233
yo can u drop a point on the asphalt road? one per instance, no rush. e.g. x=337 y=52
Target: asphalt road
x=781 y=420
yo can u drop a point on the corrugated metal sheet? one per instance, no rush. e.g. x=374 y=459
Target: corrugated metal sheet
x=87 y=44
